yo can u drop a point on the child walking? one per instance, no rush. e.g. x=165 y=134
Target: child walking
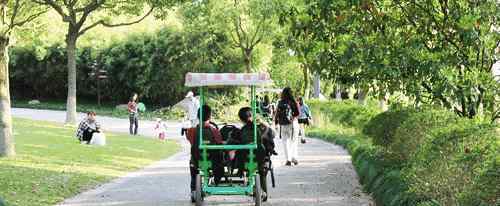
x=160 y=129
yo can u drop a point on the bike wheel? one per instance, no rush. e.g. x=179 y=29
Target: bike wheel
x=198 y=193
x=257 y=191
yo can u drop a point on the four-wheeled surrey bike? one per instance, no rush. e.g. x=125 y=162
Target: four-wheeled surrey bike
x=247 y=182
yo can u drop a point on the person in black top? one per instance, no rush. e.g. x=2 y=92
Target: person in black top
x=287 y=117
x=265 y=145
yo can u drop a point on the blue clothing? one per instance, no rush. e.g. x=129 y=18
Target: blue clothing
x=305 y=113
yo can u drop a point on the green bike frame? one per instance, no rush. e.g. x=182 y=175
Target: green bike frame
x=205 y=165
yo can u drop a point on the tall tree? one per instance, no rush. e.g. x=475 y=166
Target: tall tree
x=13 y=14
x=247 y=23
x=437 y=51
x=458 y=41
x=297 y=22
x=83 y=15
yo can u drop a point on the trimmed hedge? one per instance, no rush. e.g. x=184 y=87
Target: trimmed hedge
x=457 y=165
x=424 y=157
x=413 y=131
x=378 y=178
x=382 y=127
x=348 y=113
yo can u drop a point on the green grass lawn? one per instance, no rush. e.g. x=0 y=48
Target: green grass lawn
x=51 y=165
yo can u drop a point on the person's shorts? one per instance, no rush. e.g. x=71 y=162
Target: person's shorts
x=304 y=121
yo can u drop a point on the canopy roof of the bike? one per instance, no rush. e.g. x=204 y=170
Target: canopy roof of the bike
x=270 y=90
x=227 y=79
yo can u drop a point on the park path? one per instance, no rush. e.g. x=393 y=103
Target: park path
x=325 y=175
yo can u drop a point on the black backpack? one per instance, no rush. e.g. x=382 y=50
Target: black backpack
x=231 y=134
x=284 y=114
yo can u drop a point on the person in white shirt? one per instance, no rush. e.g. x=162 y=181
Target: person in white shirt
x=193 y=106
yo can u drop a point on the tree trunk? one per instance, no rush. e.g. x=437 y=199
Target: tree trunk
x=71 y=39
x=247 y=54
x=383 y=103
x=350 y=93
x=338 y=92
x=306 y=85
x=317 y=86
x=6 y=138
x=362 y=96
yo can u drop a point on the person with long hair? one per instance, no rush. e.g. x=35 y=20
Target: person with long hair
x=133 y=114
x=287 y=117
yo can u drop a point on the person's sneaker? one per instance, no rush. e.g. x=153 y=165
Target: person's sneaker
x=303 y=141
x=295 y=162
x=192 y=196
x=288 y=163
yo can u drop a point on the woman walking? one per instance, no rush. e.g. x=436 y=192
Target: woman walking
x=287 y=117
x=133 y=114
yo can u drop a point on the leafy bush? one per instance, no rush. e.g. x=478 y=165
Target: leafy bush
x=441 y=159
x=457 y=165
x=485 y=190
x=347 y=112
x=411 y=133
x=377 y=176
x=382 y=127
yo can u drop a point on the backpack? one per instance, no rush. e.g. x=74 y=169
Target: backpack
x=284 y=114
x=231 y=134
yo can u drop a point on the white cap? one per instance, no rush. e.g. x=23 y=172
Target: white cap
x=190 y=94
x=158 y=119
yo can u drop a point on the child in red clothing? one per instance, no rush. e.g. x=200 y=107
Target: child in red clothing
x=160 y=129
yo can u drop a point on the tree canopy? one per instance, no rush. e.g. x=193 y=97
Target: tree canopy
x=434 y=51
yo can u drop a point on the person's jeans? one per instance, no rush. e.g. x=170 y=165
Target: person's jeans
x=134 y=124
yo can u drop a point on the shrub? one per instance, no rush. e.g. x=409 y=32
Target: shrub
x=377 y=176
x=410 y=134
x=485 y=189
x=456 y=165
x=357 y=116
x=346 y=112
x=382 y=127
x=441 y=159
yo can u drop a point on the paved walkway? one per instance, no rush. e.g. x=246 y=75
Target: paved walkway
x=324 y=176
x=108 y=123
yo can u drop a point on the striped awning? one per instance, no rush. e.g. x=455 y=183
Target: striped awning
x=227 y=79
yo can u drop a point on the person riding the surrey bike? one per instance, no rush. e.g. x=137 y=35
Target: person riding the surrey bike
x=265 y=148
x=212 y=135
